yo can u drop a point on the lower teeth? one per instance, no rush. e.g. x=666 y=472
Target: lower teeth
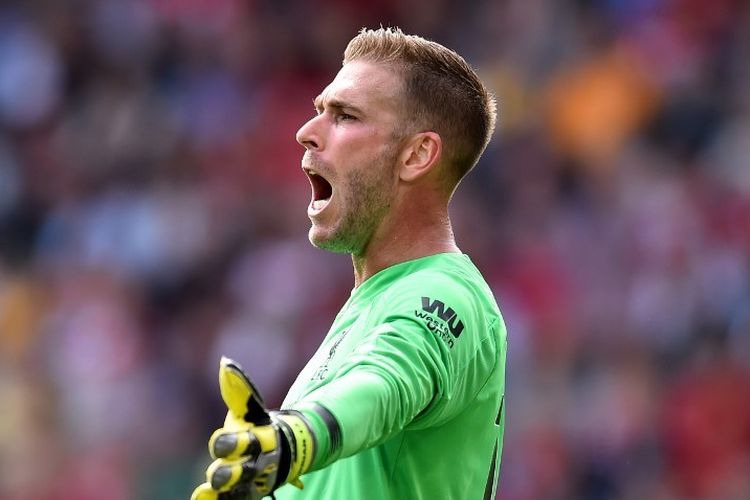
x=319 y=204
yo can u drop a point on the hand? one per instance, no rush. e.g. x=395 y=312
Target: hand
x=256 y=451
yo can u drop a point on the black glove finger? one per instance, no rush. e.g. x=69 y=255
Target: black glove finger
x=233 y=444
x=227 y=475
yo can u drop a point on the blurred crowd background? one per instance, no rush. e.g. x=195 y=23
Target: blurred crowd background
x=152 y=218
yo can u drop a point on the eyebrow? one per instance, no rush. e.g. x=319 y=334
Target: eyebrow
x=336 y=104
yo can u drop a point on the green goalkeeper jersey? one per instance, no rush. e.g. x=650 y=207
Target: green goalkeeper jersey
x=405 y=394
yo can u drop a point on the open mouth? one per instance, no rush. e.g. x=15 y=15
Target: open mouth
x=321 y=190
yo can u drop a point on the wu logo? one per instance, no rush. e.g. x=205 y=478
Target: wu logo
x=439 y=309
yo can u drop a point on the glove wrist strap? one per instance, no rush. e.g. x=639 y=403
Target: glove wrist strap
x=301 y=444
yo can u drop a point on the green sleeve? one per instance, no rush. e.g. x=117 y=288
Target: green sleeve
x=385 y=384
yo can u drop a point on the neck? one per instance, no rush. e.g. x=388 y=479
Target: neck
x=403 y=238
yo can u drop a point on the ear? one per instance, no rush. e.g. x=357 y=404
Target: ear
x=420 y=155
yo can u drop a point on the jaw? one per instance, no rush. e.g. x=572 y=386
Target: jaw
x=327 y=238
x=354 y=203
x=353 y=227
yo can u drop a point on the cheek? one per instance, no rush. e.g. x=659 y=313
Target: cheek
x=358 y=141
x=364 y=161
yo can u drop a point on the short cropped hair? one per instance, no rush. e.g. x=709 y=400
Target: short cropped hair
x=442 y=92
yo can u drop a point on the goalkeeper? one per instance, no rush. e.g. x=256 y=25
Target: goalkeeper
x=404 y=398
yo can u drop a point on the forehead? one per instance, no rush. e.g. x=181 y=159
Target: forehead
x=368 y=86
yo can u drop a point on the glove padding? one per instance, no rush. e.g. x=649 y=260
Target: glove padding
x=256 y=451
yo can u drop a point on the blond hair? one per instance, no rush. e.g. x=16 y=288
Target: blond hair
x=442 y=92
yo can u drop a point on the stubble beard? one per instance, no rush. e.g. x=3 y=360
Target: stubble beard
x=366 y=200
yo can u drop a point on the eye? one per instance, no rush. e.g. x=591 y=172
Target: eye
x=345 y=117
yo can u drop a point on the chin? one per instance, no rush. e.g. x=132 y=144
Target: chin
x=319 y=239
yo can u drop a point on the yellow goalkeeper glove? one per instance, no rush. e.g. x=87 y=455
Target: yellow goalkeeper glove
x=256 y=451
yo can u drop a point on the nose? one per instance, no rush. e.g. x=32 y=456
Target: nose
x=309 y=135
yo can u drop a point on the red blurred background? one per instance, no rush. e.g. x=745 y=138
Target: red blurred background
x=152 y=218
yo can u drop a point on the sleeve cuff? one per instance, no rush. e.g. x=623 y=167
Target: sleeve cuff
x=327 y=432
